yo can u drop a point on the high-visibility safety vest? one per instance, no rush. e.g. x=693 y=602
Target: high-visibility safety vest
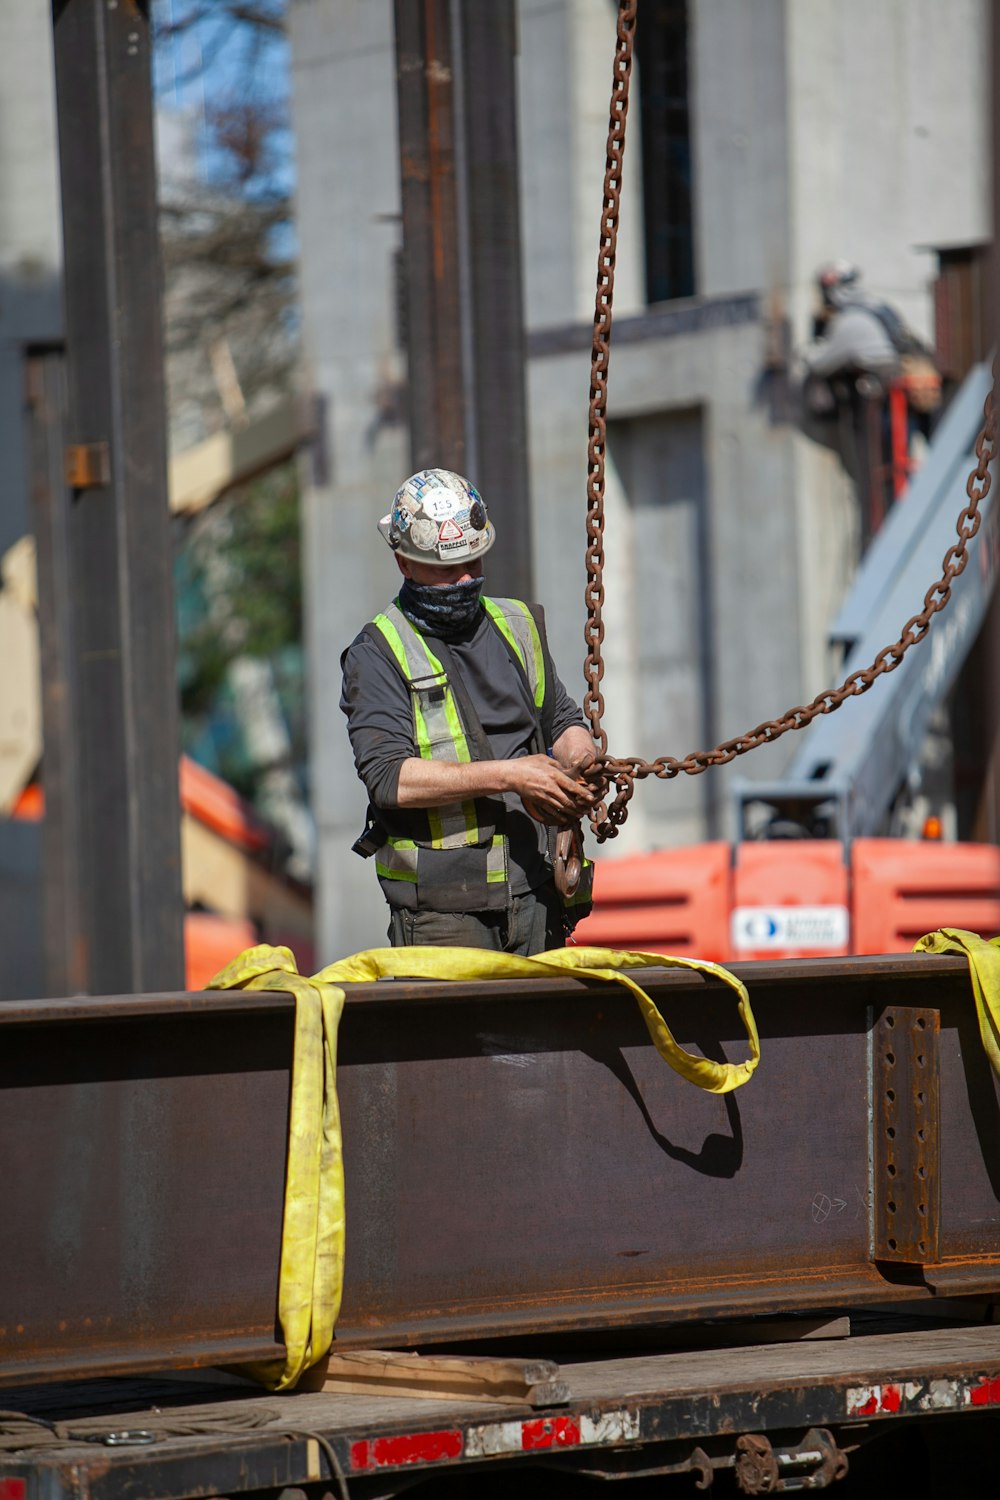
x=461 y=861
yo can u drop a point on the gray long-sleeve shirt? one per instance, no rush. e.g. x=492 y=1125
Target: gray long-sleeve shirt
x=856 y=339
x=380 y=724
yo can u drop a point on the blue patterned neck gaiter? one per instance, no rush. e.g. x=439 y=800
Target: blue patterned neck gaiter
x=447 y=610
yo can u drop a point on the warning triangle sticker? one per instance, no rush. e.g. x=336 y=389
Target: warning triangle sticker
x=450 y=532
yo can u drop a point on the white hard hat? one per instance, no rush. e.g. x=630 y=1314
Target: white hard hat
x=836 y=274
x=438 y=517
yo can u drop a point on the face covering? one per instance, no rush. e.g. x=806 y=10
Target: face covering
x=447 y=610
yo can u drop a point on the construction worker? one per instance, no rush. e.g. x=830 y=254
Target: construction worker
x=869 y=370
x=470 y=748
x=853 y=333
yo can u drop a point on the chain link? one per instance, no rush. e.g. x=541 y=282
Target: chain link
x=622 y=773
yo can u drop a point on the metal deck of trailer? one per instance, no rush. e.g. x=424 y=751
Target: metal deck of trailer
x=656 y=1413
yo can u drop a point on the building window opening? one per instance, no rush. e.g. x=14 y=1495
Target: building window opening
x=665 y=124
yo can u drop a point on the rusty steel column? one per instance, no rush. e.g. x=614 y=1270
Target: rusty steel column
x=118 y=589
x=425 y=84
x=462 y=288
x=64 y=948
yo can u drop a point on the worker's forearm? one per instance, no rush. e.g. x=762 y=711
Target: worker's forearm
x=433 y=783
x=545 y=788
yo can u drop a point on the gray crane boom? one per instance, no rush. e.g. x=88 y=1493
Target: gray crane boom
x=849 y=766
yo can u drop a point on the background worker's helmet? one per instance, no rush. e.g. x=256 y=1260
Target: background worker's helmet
x=438 y=517
x=836 y=276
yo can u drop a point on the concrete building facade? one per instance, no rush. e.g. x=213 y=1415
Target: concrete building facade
x=764 y=139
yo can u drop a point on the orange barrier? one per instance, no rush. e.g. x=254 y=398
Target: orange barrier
x=790 y=900
x=674 y=902
x=793 y=898
x=904 y=888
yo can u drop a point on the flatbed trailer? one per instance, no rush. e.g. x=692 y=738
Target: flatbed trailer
x=769 y=1417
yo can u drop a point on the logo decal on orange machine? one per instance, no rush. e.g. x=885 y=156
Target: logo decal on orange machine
x=776 y=927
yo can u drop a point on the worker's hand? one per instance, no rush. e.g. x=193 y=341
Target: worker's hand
x=549 y=794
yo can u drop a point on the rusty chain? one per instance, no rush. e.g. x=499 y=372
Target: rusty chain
x=622 y=773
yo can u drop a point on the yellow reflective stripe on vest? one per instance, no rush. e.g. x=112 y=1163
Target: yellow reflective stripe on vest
x=420 y=730
x=499 y=619
x=536 y=651
x=388 y=629
x=426 y=733
x=437 y=730
x=517 y=626
x=496 y=860
x=397 y=860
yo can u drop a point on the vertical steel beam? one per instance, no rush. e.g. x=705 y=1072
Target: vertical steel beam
x=63 y=939
x=118 y=549
x=492 y=217
x=425 y=86
x=462 y=259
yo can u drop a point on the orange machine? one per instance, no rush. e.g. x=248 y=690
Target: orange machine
x=234 y=895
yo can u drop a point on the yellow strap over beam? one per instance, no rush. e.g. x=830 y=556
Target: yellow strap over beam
x=984 y=969
x=312 y=1243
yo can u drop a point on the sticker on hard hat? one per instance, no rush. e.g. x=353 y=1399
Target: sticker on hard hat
x=424 y=534
x=450 y=532
x=439 y=506
x=774 y=927
x=477 y=514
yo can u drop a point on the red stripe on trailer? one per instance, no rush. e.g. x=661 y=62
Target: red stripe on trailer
x=13 y=1489
x=409 y=1448
x=550 y=1432
x=986 y=1393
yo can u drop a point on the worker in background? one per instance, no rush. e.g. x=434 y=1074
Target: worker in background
x=470 y=748
x=869 y=370
x=851 y=330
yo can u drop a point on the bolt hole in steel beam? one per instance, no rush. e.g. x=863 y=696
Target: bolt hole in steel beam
x=907 y=1154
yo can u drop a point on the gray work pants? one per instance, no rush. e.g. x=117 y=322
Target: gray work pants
x=531 y=924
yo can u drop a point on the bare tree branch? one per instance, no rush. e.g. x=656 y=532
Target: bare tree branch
x=264 y=16
x=229 y=272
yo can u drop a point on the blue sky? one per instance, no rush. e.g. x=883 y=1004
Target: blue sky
x=217 y=62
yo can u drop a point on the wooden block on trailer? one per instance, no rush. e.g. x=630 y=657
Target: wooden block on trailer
x=375 y=1372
